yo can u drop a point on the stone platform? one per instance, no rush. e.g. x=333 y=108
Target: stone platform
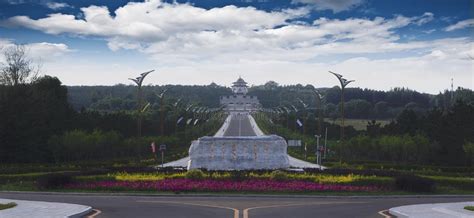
x=239 y=153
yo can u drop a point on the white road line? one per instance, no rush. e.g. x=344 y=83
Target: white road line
x=385 y=213
x=96 y=213
x=246 y=210
x=240 y=125
x=236 y=211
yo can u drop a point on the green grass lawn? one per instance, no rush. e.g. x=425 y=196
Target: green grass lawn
x=359 y=124
x=471 y=208
x=7 y=205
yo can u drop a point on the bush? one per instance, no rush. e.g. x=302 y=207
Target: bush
x=278 y=175
x=7 y=205
x=413 y=183
x=239 y=175
x=52 y=181
x=195 y=174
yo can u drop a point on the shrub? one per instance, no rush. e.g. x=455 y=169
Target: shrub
x=471 y=208
x=7 y=205
x=413 y=183
x=195 y=174
x=52 y=181
x=239 y=175
x=278 y=175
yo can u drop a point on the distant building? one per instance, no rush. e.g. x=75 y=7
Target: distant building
x=240 y=101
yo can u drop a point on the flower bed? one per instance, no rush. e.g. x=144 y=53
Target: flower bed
x=209 y=185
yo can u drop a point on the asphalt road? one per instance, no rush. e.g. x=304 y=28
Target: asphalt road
x=239 y=126
x=233 y=207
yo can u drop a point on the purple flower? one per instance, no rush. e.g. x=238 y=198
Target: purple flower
x=209 y=185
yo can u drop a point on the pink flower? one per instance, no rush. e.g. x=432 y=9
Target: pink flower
x=209 y=185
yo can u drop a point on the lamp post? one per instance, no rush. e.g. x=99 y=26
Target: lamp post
x=139 y=82
x=161 y=96
x=319 y=98
x=344 y=82
x=318 y=151
x=296 y=116
x=305 y=115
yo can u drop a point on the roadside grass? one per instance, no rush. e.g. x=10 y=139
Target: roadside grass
x=461 y=183
x=7 y=205
x=471 y=208
x=358 y=124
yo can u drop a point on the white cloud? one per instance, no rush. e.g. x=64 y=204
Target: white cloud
x=334 y=5
x=194 y=33
x=201 y=45
x=57 y=5
x=425 y=18
x=16 y=2
x=41 y=51
x=461 y=25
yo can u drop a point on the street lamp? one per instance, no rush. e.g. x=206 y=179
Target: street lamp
x=319 y=99
x=344 y=82
x=305 y=114
x=139 y=81
x=161 y=96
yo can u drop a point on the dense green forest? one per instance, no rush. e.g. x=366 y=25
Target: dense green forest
x=44 y=121
x=38 y=124
x=360 y=103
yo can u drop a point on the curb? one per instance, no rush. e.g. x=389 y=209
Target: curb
x=235 y=195
x=451 y=209
x=31 y=208
x=82 y=214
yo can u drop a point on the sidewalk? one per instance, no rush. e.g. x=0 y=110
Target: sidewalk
x=441 y=210
x=41 y=209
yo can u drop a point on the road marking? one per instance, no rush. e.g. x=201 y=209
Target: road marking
x=236 y=211
x=96 y=212
x=385 y=214
x=240 y=126
x=246 y=210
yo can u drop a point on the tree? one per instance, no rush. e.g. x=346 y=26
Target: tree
x=18 y=67
x=358 y=108
x=468 y=148
x=271 y=85
x=381 y=109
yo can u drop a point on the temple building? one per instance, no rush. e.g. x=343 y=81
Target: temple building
x=240 y=101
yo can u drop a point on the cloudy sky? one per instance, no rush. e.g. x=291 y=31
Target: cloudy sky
x=418 y=44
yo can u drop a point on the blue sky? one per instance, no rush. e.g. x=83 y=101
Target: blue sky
x=381 y=44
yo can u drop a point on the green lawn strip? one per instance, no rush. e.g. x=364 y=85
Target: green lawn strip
x=7 y=205
x=471 y=208
x=461 y=183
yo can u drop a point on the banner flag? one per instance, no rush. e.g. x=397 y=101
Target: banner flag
x=179 y=120
x=299 y=122
x=195 y=122
x=153 y=147
x=189 y=121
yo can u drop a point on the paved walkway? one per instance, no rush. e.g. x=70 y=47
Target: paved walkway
x=443 y=210
x=240 y=126
x=40 y=209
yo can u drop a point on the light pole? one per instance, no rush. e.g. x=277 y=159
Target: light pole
x=139 y=82
x=319 y=98
x=344 y=82
x=161 y=96
x=318 y=151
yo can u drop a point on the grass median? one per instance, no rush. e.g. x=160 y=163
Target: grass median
x=7 y=205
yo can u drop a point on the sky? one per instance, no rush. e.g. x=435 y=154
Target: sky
x=383 y=44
